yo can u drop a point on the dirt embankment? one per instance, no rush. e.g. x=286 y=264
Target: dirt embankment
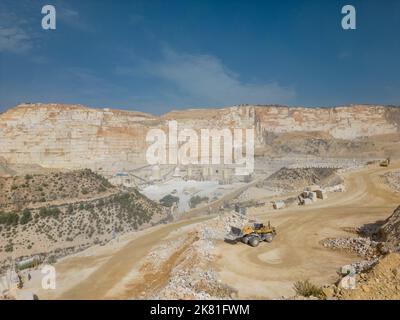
x=299 y=178
x=382 y=280
x=381 y=283
x=390 y=231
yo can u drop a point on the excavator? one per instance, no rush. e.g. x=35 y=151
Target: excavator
x=252 y=234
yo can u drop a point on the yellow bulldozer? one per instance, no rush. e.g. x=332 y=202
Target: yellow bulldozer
x=385 y=163
x=252 y=234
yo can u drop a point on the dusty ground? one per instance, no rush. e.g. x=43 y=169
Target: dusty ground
x=93 y=274
x=267 y=271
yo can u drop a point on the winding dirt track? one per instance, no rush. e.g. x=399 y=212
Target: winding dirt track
x=270 y=270
x=98 y=284
x=267 y=271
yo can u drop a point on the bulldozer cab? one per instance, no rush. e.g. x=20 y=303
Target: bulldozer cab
x=258 y=226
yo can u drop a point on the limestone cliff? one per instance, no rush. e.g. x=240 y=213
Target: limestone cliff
x=74 y=136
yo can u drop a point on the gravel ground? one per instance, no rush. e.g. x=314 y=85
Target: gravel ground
x=193 y=277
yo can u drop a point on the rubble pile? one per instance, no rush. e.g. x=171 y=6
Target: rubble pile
x=363 y=247
x=364 y=265
x=191 y=277
x=378 y=275
x=392 y=179
x=164 y=251
x=217 y=228
x=195 y=284
x=299 y=178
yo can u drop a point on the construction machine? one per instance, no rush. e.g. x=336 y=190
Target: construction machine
x=385 y=163
x=252 y=234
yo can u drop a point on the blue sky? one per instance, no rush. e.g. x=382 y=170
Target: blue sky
x=155 y=56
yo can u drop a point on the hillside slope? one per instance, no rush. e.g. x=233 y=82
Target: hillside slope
x=59 y=218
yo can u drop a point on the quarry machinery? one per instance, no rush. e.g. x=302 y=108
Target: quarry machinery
x=252 y=234
x=385 y=163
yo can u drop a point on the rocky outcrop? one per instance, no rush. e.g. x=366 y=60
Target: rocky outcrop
x=74 y=136
x=390 y=231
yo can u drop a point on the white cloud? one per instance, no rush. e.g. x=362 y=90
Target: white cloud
x=204 y=79
x=15 y=34
x=71 y=17
x=20 y=29
x=14 y=39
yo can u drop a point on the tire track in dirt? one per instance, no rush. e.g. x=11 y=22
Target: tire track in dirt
x=296 y=250
x=105 y=277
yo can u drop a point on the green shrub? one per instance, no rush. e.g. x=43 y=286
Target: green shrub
x=195 y=200
x=52 y=259
x=49 y=212
x=9 y=218
x=100 y=203
x=169 y=200
x=308 y=289
x=89 y=206
x=26 y=216
x=105 y=183
x=70 y=209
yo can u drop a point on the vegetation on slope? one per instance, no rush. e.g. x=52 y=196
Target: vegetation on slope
x=20 y=191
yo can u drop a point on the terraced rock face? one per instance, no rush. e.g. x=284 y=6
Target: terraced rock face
x=74 y=136
x=66 y=136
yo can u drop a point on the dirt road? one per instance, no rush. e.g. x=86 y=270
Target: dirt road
x=267 y=271
x=93 y=273
x=270 y=270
